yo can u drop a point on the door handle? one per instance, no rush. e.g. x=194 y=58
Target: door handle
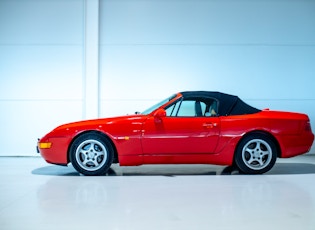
x=209 y=125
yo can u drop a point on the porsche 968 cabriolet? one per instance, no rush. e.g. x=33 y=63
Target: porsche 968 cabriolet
x=194 y=127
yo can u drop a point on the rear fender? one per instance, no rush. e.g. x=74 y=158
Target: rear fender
x=276 y=142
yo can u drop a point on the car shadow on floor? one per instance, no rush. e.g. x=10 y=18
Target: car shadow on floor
x=178 y=170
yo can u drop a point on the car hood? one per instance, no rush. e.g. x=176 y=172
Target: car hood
x=103 y=121
x=102 y=124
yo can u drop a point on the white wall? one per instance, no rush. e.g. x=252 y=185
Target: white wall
x=263 y=51
x=260 y=50
x=41 y=78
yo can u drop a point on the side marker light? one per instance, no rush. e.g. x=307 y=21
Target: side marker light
x=44 y=145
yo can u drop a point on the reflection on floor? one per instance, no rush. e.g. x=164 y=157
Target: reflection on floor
x=36 y=195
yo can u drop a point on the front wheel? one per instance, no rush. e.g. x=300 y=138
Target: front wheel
x=255 y=154
x=91 y=154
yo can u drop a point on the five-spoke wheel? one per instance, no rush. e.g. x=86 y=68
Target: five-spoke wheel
x=255 y=154
x=91 y=154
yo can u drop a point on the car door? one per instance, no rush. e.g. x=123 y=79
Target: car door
x=182 y=131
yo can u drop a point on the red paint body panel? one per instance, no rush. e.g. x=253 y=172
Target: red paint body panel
x=144 y=139
x=287 y=128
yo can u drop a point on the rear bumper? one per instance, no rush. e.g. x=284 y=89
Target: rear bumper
x=293 y=145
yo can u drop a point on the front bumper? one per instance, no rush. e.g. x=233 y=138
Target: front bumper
x=54 y=150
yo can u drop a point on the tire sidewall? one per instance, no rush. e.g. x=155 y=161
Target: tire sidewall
x=109 y=158
x=240 y=164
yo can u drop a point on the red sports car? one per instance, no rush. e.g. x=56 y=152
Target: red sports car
x=195 y=127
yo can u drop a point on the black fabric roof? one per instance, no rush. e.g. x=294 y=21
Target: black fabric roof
x=228 y=104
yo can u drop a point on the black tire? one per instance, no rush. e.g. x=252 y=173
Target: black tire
x=255 y=154
x=91 y=154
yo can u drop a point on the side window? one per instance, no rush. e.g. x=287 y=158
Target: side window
x=213 y=109
x=187 y=108
x=172 y=110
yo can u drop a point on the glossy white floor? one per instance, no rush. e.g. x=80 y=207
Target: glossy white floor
x=36 y=195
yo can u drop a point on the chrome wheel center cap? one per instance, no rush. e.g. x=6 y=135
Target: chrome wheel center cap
x=91 y=155
x=257 y=154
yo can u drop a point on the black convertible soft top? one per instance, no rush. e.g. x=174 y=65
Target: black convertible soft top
x=227 y=104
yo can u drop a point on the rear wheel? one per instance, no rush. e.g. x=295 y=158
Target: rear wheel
x=91 y=154
x=255 y=154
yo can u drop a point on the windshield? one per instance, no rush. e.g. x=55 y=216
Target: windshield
x=158 y=105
